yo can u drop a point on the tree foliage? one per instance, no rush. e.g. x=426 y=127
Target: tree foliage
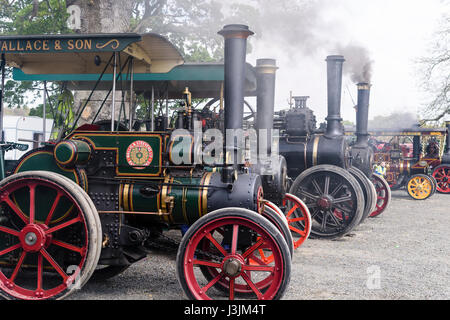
x=436 y=74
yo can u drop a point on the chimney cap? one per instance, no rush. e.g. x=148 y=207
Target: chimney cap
x=236 y=31
x=363 y=86
x=335 y=58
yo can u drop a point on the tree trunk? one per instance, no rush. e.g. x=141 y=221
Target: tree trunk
x=101 y=16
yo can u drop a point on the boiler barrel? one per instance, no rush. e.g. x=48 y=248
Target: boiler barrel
x=187 y=199
x=301 y=155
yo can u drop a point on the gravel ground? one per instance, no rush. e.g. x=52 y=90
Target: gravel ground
x=403 y=254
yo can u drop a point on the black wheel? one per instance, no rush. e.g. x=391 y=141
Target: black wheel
x=370 y=194
x=334 y=198
x=226 y=242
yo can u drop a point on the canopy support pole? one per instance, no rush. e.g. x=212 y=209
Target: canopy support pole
x=131 y=111
x=113 y=106
x=167 y=106
x=2 y=88
x=44 y=115
x=152 y=122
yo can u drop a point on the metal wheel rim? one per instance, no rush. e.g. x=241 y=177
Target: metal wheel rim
x=46 y=230
x=246 y=258
x=442 y=176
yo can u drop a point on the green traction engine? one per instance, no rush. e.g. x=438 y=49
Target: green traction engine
x=98 y=201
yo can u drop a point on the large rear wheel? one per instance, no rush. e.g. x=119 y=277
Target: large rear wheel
x=50 y=239
x=370 y=194
x=442 y=176
x=334 y=199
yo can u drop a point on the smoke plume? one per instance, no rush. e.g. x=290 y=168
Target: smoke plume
x=358 y=64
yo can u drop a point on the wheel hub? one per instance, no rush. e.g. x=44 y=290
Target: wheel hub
x=232 y=267
x=33 y=238
x=325 y=202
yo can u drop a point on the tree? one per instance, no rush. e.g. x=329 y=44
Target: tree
x=396 y=120
x=436 y=74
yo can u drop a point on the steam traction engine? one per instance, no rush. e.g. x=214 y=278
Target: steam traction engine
x=91 y=203
x=415 y=159
x=363 y=155
x=317 y=163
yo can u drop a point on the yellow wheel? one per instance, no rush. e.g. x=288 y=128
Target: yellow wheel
x=420 y=187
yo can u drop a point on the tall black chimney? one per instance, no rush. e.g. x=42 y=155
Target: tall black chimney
x=334 y=76
x=362 y=153
x=362 y=115
x=265 y=76
x=235 y=53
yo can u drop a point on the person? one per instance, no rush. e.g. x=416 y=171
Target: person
x=380 y=169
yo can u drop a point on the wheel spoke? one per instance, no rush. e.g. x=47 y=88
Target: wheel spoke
x=9 y=231
x=18 y=266
x=291 y=211
x=234 y=240
x=338 y=223
x=326 y=189
x=216 y=244
x=10 y=249
x=252 y=285
x=314 y=214
x=344 y=210
x=309 y=195
x=261 y=268
x=253 y=248
x=212 y=282
x=232 y=282
x=52 y=210
x=256 y=259
x=64 y=225
x=54 y=264
x=337 y=189
x=16 y=210
x=324 y=221
x=343 y=199
x=316 y=186
x=298 y=231
x=296 y=219
x=68 y=246
x=206 y=263
x=32 y=202
x=39 y=272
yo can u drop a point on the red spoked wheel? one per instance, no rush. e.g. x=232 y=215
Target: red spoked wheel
x=271 y=212
x=219 y=257
x=49 y=236
x=383 y=195
x=442 y=176
x=298 y=217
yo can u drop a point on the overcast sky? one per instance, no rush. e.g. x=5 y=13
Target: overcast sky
x=395 y=33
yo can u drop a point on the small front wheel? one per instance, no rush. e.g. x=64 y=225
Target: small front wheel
x=420 y=187
x=226 y=242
